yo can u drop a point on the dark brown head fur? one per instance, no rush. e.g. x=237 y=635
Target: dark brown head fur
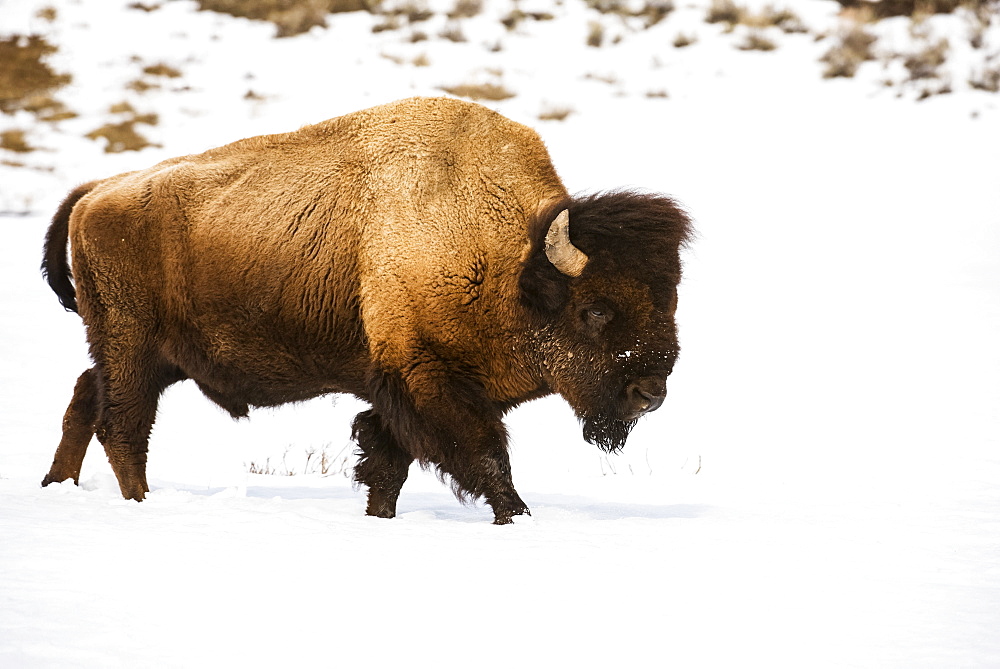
x=608 y=336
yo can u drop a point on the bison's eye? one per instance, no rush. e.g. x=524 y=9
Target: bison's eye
x=596 y=316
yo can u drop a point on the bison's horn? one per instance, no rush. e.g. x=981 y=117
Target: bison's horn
x=560 y=250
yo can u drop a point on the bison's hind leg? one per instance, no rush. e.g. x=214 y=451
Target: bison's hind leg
x=131 y=389
x=383 y=465
x=77 y=430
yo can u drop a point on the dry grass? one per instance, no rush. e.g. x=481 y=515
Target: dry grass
x=986 y=79
x=466 y=9
x=884 y=9
x=853 y=48
x=784 y=19
x=48 y=109
x=24 y=74
x=512 y=20
x=121 y=136
x=15 y=141
x=141 y=86
x=728 y=12
x=725 y=11
x=555 y=113
x=924 y=64
x=317 y=461
x=606 y=78
x=477 y=92
x=650 y=11
x=453 y=33
x=396 y=16
x=756 y=41
x=161 y=70
x=595 y=34
x=291 y=17
x=683 y=39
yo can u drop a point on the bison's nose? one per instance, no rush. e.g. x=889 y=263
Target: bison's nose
x=643 y=396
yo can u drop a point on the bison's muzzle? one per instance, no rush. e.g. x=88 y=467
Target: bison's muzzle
x=643 y=396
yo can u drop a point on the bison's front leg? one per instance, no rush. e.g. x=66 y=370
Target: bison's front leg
x=383 y=465
x=487 y=473
x=450 y=422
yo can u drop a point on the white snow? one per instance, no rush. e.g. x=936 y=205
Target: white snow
x=820 y=489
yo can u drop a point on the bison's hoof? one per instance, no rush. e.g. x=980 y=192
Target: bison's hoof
x=506 y=517
x=50 y=478
x=381 y=513
x=380 y=509
x=133 y=492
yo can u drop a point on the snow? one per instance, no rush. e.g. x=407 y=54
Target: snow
x=821 y=487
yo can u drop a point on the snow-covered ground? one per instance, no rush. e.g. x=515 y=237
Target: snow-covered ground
x=821 y=488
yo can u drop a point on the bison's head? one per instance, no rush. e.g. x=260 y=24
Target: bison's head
x=600 y=285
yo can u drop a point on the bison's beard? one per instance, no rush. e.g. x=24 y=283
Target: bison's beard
x=608 y=434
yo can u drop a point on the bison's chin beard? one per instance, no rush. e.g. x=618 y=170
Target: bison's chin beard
x=608 y=434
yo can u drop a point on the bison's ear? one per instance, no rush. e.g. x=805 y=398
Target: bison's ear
x=544 y=287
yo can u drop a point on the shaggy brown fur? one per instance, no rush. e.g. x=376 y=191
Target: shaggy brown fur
x=396 y=254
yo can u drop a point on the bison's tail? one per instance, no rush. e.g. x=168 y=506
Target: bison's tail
x=55 y=261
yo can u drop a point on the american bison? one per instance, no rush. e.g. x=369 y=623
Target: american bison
x=421 y=255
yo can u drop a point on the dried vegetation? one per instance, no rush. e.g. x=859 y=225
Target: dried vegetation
x=291 y=17
x=28 y=83
x=479 y=92
x=16 y=141
x=121 y=134
x=884 y=9
x=650 y=12
x=555 y=113
x=322 y=461
x=853 y=46
x=26 y=80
